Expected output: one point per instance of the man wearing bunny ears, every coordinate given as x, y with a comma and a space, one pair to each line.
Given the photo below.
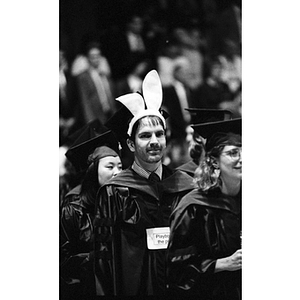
133, 209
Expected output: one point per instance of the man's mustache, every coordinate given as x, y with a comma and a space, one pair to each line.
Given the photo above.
154, 148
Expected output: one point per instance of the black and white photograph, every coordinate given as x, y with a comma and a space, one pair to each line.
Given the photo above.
123, 126
150, 126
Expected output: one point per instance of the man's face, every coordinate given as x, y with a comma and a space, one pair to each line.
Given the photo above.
150, 143
136, 25
216, 71
94, 57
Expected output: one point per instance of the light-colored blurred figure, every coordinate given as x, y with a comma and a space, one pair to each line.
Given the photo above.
95, 87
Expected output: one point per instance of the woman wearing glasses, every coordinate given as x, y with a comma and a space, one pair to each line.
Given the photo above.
205, 256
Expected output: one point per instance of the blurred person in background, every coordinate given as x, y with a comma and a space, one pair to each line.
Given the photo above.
81, 64
95, 87
231, 60
235, 105
192, 45
68, 100
77, 214
128, 54
176, 97
168, 57
214, 90
175, 100
232, 65
227, 25
132, 82
205, 256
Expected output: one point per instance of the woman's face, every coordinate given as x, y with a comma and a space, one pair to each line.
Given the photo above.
108, 167
230, 163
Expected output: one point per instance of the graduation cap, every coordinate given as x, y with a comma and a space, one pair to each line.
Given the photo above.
207, 130
203, 115
118, 123
91, 136
222, 132
90, 130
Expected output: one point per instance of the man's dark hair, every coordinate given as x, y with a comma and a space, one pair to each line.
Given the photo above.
153, 120
92, 45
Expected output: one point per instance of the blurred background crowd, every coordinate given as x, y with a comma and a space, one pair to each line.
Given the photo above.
108, 46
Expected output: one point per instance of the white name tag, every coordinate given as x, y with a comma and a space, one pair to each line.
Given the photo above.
158, 238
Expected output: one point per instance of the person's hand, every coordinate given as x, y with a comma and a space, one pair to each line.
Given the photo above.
235, 261
230, 263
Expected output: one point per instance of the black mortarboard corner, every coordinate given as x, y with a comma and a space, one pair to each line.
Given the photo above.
118, 123
203, 115
206, 130
91, 136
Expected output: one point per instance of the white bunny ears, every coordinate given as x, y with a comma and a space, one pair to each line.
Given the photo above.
148, 105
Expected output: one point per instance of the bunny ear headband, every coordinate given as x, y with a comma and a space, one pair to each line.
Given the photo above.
146, 105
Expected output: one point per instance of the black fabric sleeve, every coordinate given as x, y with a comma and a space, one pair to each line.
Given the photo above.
188, 255
71, 257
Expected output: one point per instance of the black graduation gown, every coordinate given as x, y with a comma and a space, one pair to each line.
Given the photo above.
189, 168
128, 205
76, 247
204, 227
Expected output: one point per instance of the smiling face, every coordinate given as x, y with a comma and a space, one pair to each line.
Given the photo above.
108, 167
230, 164
149, 144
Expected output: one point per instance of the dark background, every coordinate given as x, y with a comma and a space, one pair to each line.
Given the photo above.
79, 18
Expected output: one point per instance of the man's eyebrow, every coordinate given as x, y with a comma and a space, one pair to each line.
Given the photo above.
150, 131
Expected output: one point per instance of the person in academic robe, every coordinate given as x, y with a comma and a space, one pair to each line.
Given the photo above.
98, 158
205, 255
133, 209
74, 155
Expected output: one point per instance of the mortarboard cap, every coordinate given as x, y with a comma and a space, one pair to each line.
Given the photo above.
203, 115
207, 130
118, 123
88, 131
91, 136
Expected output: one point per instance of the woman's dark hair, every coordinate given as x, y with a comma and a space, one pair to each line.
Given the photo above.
197, 148
90, 184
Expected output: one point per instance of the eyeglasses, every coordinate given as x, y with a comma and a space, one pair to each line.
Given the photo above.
234, 153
